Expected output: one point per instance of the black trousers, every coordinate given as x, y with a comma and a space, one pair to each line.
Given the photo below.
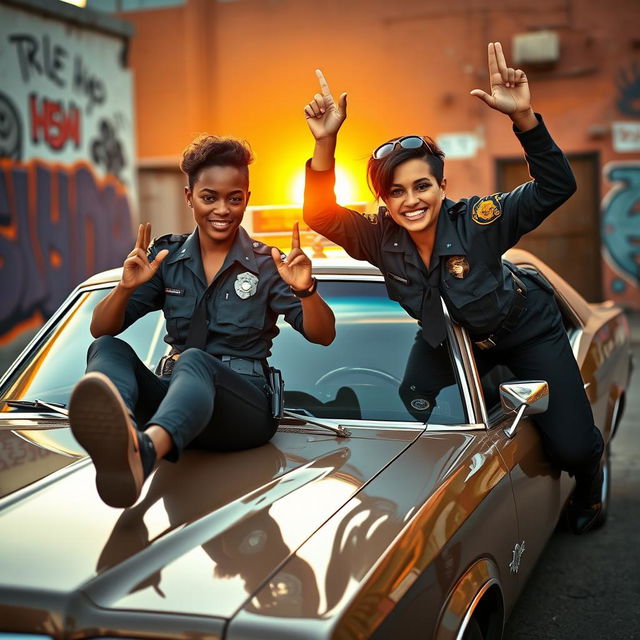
204, 403
539, 349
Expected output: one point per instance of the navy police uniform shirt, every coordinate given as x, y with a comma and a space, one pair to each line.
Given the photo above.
244, 299
471, 236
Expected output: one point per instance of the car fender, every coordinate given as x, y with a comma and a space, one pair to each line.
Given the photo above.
465, 597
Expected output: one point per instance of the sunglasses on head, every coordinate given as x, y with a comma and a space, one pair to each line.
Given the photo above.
407, 142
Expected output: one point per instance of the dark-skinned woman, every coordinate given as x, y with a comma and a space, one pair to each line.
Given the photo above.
221, 293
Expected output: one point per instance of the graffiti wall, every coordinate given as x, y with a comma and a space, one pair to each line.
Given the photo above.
67, 181
621, 203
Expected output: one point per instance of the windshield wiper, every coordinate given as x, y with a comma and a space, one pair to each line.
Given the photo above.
55, 407
339, 430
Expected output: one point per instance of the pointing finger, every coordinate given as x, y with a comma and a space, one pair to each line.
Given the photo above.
324, 87
502, 63
492, 60
139, 238
147, 236
295, 236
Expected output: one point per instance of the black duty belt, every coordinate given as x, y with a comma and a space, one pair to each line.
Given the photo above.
248, 366
518, 306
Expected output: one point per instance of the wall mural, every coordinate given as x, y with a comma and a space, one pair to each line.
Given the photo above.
621, 224
67, 186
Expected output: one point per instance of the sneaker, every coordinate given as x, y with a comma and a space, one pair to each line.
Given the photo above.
101, 423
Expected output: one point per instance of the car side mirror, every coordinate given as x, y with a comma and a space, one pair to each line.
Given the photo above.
524, 398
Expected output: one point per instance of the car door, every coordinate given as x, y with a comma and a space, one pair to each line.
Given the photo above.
536, 483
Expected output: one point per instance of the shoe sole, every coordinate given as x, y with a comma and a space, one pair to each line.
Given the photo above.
100, 423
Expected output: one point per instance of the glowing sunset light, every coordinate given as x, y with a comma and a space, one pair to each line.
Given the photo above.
345, 189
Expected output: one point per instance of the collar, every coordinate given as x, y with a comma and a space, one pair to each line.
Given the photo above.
447, 239
447, 242
241, 251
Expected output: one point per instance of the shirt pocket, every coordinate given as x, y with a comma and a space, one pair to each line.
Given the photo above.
409, 295
239, 316
478, 284
178, 312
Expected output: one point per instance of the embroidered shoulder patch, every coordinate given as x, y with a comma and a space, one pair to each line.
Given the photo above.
487, 209
371, 218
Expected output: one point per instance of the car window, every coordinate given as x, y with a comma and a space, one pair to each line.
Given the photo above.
58, 359
378, 367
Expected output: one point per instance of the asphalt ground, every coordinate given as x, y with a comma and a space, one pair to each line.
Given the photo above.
588, 587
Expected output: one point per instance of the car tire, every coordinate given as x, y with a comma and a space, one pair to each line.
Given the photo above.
606, 489
473, 631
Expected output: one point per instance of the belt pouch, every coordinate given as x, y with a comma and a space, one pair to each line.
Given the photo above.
276, 383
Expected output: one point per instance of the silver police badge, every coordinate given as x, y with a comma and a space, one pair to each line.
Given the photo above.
246, 285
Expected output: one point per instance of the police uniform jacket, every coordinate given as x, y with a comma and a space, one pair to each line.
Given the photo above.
243, 301
471, 236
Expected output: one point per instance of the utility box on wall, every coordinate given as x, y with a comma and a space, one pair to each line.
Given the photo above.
68, 197
538, 48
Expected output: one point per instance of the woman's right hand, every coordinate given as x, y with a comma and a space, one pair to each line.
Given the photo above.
136, 268
323, 115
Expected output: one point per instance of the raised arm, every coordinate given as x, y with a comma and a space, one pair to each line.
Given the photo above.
505, 217
321, 212
318, 320
108, 316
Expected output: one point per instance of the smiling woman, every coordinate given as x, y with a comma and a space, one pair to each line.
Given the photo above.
434, 252
221, 294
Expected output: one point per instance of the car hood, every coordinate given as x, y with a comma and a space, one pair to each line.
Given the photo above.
205, 535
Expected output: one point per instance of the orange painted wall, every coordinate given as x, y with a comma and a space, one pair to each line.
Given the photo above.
245, 68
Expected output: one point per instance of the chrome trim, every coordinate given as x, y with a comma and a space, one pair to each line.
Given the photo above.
475, 377
478, 426
19, 416
459, 365
472, 607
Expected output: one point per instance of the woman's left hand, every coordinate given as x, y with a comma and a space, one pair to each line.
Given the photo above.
295, 270
509, 87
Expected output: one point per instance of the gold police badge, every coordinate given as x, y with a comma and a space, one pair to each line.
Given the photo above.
458, 266
246, 285
487, 209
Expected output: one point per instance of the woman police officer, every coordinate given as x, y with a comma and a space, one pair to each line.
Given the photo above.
428, 246
221, 294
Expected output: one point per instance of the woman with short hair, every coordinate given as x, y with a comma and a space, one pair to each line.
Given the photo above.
221, 293
428, 246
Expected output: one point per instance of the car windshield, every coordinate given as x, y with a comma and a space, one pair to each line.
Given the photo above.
375, 369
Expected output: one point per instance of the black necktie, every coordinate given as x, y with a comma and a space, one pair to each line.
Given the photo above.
434, 329
198, 329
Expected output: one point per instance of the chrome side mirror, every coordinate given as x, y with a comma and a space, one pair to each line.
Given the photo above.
524, 398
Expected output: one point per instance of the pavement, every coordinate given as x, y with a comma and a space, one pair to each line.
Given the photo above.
588, 587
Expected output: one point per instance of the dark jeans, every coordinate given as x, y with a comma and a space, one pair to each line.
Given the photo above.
204, 403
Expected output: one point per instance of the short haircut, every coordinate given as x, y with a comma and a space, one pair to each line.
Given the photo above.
215, 151
380, 172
